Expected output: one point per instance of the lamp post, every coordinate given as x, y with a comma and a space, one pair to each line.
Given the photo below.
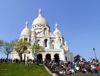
94, 53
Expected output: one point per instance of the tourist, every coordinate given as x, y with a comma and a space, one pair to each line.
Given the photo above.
94, 68
99, 68
26, 64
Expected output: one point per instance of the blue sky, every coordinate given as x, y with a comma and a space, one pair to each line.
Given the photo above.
78, 20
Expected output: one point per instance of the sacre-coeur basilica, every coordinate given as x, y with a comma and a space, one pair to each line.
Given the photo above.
40, 33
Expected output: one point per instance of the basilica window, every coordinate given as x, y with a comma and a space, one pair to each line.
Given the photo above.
45, 41
25, 39
45, 31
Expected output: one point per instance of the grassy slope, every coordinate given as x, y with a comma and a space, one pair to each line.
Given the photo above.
22, 70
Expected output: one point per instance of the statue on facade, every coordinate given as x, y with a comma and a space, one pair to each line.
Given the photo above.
33, 43
60, 45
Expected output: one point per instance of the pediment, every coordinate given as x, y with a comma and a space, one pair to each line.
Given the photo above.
40, 33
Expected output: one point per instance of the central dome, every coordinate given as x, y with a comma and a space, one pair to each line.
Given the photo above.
40, 20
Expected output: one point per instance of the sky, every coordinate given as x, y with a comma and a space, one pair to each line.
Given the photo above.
78, 21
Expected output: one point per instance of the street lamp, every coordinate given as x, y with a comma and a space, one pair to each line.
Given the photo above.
94, 53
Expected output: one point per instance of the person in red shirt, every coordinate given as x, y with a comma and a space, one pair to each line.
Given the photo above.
99, 67
97, 60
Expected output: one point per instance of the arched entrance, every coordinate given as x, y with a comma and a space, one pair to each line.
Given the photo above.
56, 57
48, 57
39, 58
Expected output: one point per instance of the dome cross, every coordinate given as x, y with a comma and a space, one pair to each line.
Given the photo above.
56, 26
27, 24
40, 12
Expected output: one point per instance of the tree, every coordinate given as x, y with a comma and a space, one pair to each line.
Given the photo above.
7, 48
36, 49
12, 43
1, 44
21, 47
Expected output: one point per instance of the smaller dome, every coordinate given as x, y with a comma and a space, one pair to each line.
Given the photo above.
26, 30
57, 32
66, 43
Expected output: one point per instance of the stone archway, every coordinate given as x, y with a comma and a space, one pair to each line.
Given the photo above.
39, 58
56, 57
48, 57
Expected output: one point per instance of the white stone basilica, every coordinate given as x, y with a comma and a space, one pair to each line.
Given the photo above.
40, 33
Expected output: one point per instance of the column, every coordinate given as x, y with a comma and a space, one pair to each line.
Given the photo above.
52, 56
42, 43
43, 31
48, 32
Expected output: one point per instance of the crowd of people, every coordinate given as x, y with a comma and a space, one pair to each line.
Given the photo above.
3, 60
67, 68
64, 67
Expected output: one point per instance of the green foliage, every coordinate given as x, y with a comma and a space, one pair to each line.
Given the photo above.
8, 47
21, 47
1, 44
12, 42
22, 70
36, 49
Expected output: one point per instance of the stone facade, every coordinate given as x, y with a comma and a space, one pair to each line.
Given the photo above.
40, 33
